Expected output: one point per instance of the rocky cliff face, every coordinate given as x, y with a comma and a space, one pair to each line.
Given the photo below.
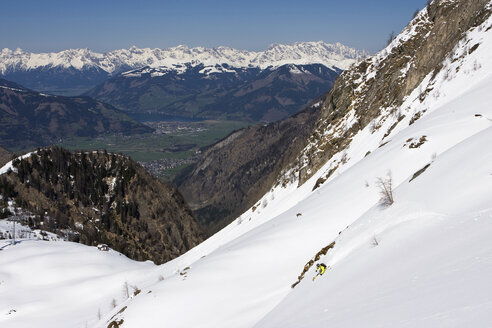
382, 82
234, 173
97, 197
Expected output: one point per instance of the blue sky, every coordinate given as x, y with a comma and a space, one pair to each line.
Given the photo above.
103, 25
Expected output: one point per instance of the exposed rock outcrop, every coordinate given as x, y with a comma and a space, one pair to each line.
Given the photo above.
382, 82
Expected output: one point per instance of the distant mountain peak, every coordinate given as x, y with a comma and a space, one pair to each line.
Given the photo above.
116, 61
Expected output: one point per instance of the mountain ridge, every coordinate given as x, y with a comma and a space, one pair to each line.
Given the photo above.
218, 92
29, 118
117, 61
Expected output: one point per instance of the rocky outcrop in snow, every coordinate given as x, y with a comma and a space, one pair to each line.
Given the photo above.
381, 84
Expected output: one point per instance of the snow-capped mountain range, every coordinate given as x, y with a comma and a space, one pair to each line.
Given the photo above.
330, 55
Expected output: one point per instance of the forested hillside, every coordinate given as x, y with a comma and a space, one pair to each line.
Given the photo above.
98, 197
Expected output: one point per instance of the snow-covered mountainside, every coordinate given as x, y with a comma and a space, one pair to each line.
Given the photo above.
330, 55
423, 261
74, 71
420, 258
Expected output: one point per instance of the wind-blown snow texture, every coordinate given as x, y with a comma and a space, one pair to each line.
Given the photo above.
330, 55
425, 261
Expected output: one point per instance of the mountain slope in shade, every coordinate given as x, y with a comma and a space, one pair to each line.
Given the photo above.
4, 156
29, 118
233, 174
218, 92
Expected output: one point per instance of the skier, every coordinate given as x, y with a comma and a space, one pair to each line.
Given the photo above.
320, 269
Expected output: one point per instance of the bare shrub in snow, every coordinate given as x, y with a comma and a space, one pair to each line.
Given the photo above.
385, 186
160, 278
397, 113
447, 75
374, 241
126, 289
113, 303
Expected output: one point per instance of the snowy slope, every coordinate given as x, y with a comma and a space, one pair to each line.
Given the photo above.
424, 262
331, 55
61, 284
436, 232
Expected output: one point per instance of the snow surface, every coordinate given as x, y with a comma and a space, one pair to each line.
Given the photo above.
61, 284
432, 262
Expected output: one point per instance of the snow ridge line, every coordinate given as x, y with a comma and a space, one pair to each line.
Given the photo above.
331, 55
